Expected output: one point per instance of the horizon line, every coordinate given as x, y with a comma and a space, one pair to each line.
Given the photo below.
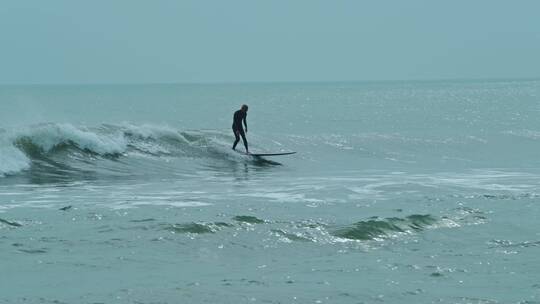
493, 79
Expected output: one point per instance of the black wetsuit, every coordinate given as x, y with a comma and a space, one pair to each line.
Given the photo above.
238, 130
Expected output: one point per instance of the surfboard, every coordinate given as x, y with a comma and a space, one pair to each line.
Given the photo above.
271, 154
267, 154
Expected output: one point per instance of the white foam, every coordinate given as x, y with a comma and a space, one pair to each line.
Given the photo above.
171, 203
51, 135
152, 131
283, 197
531, 134
12, 160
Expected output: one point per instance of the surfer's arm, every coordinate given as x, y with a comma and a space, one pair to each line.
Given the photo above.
245, 123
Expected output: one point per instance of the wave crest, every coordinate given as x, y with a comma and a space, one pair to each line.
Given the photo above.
12, 160
68, 146
49, 137
380, 228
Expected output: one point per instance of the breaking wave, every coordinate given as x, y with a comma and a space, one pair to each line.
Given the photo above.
67, 146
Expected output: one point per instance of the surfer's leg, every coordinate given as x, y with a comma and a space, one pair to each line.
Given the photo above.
237, 138
244, 139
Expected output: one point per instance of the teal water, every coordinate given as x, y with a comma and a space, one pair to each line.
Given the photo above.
401, 192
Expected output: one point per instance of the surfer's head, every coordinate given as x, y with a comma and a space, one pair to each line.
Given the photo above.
244, 108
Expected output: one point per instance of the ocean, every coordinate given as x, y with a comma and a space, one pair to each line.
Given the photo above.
400, 192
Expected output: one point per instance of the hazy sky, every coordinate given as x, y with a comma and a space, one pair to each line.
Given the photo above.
127, 41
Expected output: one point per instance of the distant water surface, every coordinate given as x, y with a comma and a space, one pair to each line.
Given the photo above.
401, 192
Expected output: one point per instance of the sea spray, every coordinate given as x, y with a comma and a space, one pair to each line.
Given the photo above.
12, 160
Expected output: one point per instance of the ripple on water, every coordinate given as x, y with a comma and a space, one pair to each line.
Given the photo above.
377, 228
248, 219
10, 223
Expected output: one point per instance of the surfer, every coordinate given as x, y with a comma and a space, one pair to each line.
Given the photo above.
238, 118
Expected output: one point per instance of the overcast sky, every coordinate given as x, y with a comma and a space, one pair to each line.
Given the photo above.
139, 41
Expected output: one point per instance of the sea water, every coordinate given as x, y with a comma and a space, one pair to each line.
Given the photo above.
401, 192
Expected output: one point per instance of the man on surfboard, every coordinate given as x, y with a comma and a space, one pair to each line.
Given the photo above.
238, 118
